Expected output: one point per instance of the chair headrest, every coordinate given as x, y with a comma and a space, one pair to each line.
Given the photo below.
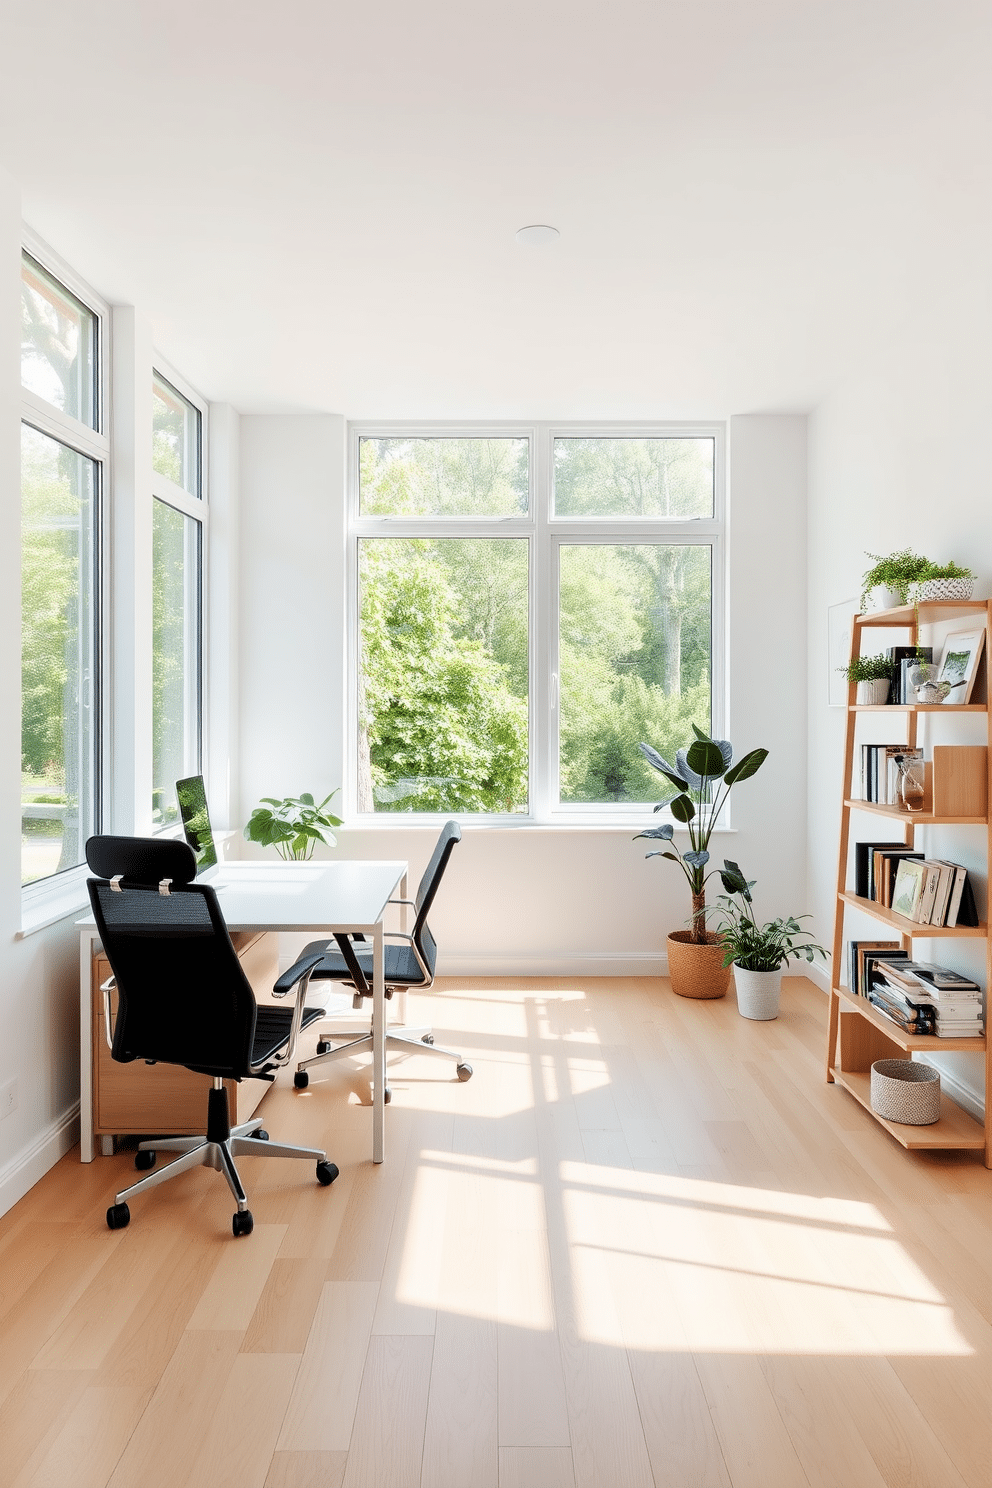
144, 860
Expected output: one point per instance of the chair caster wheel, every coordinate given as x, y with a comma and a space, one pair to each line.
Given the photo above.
144, 1160
301, 1079
387, 1096
323, 1047
428, 1038
118, 1216
326, 1173
463, 1071
242, 1223
261, 1135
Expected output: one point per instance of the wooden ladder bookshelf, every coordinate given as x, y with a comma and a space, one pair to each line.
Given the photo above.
857, 1034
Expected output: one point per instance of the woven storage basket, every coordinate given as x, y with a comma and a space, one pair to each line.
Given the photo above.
902, 1090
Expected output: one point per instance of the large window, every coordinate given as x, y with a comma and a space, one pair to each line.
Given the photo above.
63, 459
530, 605
177, 565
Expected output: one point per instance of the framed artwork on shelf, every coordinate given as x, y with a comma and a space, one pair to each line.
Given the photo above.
840, 627
958, 664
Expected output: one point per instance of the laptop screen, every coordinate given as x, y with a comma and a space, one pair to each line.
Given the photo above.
196, 821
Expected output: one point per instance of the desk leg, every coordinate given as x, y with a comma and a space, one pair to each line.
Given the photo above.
378, 1045
87, 939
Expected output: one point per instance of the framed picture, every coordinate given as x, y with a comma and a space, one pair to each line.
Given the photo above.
959, 662
840, 627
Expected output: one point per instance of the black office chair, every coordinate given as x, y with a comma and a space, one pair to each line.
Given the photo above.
407, 965
183, 998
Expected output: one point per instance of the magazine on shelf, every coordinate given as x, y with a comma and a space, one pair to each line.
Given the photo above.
857, 950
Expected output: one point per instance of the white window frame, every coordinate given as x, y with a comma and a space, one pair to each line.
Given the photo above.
198, 508
546, 535
45, 900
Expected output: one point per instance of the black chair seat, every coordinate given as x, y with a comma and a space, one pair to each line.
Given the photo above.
401, 965
272, 1029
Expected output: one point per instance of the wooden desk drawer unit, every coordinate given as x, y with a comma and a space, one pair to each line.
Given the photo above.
139, 1099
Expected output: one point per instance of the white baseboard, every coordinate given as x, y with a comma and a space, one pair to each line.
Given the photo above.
25, 1169
816, 971
552, 963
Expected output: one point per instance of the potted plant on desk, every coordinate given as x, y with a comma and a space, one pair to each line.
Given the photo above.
758, 952
293, 826
703, 776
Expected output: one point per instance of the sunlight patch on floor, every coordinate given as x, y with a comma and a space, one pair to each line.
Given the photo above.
661, 1262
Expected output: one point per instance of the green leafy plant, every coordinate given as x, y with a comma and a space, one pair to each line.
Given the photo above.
867, 668
293, 826
947, 571
755, 947
703, 776
896, 571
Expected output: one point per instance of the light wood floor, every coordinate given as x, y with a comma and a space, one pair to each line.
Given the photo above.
644, 1245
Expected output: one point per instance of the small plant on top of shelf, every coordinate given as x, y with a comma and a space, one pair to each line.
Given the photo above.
897, 571
868, 669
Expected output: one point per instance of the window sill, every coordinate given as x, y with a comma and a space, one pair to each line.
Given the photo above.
633, 824
50, 900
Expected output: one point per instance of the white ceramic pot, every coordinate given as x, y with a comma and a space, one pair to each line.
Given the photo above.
875, 692
758, 993
883, 598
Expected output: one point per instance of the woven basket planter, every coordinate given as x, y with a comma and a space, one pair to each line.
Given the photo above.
697, 970
759, 993
905, 1091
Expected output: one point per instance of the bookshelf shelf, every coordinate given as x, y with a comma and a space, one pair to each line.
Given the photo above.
947, 709
857, 1033
910, 928
925, 1043
918, 818
955, 1129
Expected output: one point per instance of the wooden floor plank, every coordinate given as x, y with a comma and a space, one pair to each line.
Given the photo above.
395, 1389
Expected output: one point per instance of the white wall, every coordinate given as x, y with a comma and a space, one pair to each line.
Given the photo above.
525, 899
899, 456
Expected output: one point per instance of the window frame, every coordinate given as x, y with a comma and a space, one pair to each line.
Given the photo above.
43, 899
197, 508
545, 534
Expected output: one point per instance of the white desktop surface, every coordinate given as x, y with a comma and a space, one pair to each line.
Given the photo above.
324, 896
335, 895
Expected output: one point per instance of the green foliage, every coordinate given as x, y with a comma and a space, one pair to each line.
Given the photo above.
294, 826
950, 570
445, 731
755, 947
703, 776
867, 668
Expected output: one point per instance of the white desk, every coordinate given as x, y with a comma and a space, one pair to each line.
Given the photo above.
331, 896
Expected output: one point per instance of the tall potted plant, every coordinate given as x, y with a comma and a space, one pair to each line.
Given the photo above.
703, 776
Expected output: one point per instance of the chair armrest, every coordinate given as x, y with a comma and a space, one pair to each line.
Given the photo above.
106, 988
300, 968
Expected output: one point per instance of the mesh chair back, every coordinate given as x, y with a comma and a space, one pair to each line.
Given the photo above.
451, 833
182, 995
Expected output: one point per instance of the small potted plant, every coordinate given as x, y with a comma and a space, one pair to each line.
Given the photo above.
944, 581
702, 776
293, 826
872, 674
887, 583
758, 952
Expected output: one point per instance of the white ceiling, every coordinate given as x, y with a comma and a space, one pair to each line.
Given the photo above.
316, 204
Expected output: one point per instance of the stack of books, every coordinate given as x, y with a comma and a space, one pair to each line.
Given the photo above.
903, 658
880, 765
930, 891
926, 999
